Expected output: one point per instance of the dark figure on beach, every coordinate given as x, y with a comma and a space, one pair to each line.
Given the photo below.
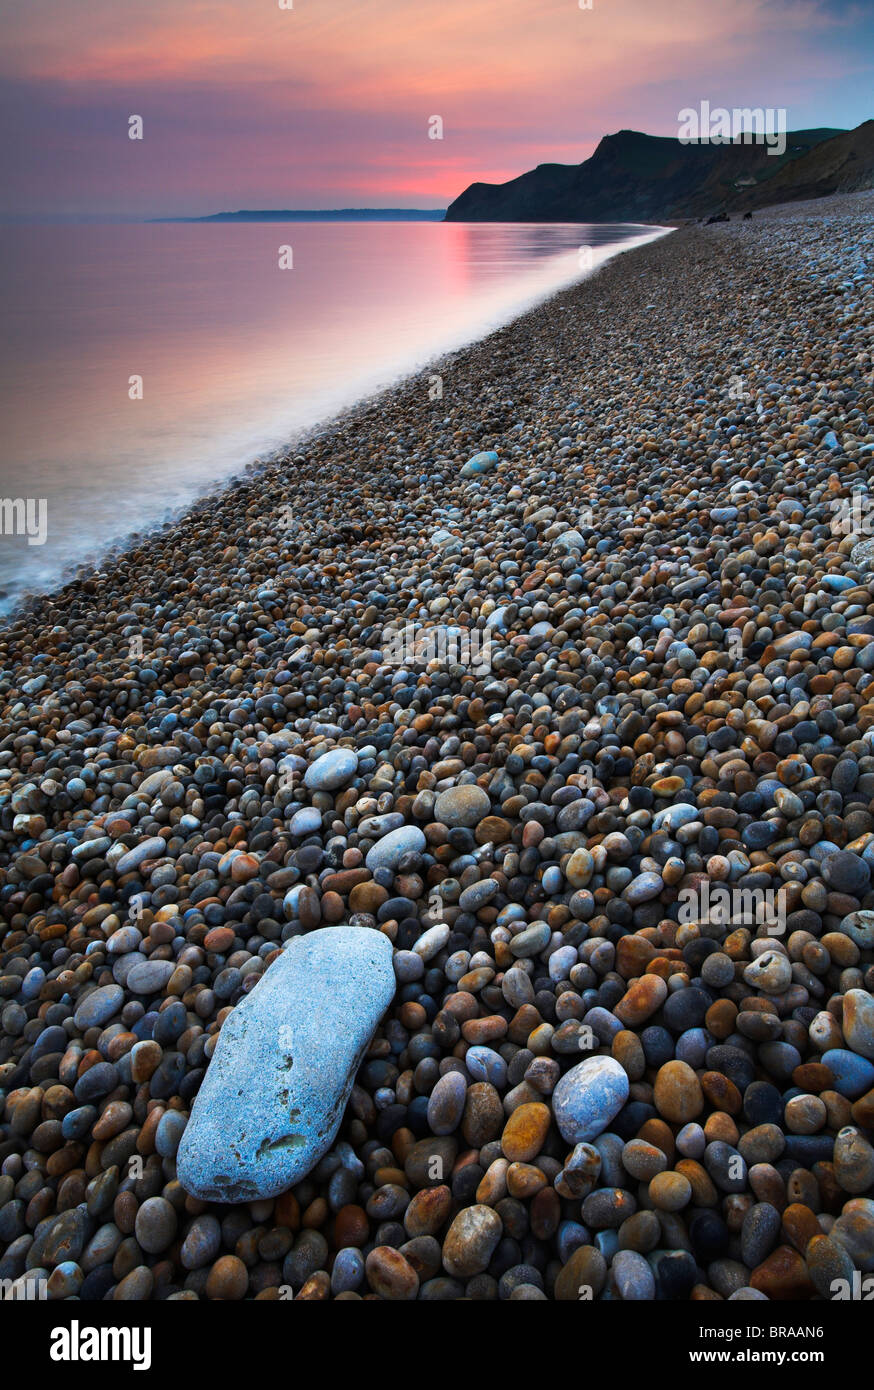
748, 217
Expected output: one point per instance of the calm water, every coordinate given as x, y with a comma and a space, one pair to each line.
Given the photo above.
237, 356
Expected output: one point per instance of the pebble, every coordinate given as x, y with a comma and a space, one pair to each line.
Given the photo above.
826, 1264
446, 1103
525, 1132
462, 806
853, 1075
98, 1007
759, 1233
631, 1277
853, 1161
588, 1097
331, 770
471, 1241
390, 1275
155, 1225
857, 1022
244, 1142
153, 848
771, 973
677, 1093
390, 850
149, 977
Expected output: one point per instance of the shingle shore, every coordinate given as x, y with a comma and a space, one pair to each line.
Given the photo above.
592, 1082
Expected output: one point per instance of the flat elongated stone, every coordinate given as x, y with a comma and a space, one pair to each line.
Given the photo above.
483, 462
153, 848
99, 1006
149, 976
273, 1097
858, 1022
387, 852
672, 817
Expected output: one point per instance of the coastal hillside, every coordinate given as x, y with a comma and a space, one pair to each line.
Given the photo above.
633, 177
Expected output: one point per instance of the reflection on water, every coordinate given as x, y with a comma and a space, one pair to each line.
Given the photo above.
235, 356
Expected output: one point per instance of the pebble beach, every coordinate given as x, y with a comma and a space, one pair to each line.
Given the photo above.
333, 973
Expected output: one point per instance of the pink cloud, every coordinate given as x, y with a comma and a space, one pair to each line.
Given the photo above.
245, 102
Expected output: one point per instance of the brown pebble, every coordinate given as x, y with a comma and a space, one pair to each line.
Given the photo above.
799, 1226
861, 1113
677, 1093
471, 1241
783, 1276
351, 1226
721, 1093
721, 1127
768, 1185
317, 1288
704, 1193
427, 1211
627, 1049
720, 1018
483, 1117
228, 1279
525, 1132
583, 1276
524, 1180
641, 1000
390, 1275
671, 1191
814, 1077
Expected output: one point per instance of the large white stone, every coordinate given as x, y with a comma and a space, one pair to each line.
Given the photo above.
274, 1094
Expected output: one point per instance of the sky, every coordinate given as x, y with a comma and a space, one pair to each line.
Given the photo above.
331, 103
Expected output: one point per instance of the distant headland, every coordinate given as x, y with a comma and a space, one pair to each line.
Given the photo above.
319, 215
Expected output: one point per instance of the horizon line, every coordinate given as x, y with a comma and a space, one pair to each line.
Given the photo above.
117, 218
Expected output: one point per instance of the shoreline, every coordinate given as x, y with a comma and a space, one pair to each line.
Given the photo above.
114, 551
642, 491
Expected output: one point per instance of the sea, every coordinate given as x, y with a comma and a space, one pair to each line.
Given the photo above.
144, 365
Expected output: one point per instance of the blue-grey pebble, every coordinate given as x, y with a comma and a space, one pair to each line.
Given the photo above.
387, 852
854, 1075
331, 770
202, 1242
98, 1007
632, 1277
153, 848
692, 1046
168, 1135
150, 976
348, 1271
484, 1064
306, 821
588, 1097
759, 1233
726, 1167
